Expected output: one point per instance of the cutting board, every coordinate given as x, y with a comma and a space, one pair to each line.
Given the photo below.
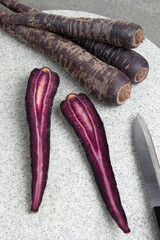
72, 207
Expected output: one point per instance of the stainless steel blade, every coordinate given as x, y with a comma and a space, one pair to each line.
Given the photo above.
148, 160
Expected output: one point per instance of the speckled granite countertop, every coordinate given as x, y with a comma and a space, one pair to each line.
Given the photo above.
72, 207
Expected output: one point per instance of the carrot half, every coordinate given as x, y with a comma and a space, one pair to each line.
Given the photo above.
83, 117
130, 62
103, 81
41, 89
115, 32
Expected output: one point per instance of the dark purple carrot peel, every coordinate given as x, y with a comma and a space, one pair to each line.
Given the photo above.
42, 87
130, 62
115, 32
82, 115
103, 81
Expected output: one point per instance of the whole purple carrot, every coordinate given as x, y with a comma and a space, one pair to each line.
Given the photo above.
115, 32
82, 115
42, 87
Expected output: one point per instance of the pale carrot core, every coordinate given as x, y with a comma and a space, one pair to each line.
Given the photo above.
124, 93
40, 90
72, 95
45, 69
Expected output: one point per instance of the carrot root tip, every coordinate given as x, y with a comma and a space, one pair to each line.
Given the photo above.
33, 211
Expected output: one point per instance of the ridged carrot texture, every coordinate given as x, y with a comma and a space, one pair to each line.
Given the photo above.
17, 6
130, 62
41, 89
115, 32
82, 115
103, 81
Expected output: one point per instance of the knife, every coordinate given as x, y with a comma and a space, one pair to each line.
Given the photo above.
149, 165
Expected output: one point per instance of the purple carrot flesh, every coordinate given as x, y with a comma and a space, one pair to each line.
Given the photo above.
115, 32
130, 62
82, 115
42, 87
103, 81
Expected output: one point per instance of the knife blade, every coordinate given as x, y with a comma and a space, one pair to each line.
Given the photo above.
149, 165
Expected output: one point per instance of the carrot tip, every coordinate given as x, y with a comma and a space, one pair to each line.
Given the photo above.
139, 37
72, 95
33, 211
124, 93
141, 75
45, 69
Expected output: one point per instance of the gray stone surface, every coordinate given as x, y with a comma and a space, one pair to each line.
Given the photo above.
144, 12
72, 208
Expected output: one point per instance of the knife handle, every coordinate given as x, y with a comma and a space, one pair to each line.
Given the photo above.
156, 213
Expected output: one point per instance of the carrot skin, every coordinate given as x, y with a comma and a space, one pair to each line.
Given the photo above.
83, 117
115, 32
17, 6
101, 80
127, 61
41, 89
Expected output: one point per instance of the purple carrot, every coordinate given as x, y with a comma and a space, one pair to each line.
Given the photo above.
82, 115
115, 32
42, 87
17, 6
103, 81
130, 62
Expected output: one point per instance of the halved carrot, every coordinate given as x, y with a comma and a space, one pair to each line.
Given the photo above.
83, 117
41, 89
